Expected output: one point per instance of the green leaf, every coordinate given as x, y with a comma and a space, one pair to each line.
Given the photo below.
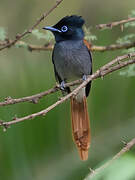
130, 72
132, 14
126, 39
121, 169
88, 35
2, 34
21, 44
47, 36
130, 50
130, 24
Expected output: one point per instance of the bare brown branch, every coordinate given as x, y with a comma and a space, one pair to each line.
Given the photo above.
8, 42
20, 36
127, 147
106, 69
112, 47
36, 97
116, 23
49, 47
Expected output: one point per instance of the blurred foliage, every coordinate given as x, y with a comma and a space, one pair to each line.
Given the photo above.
22, 44
128, 38
47, 35
122, 168
2, 34
42, 148
129, 72
130, 24
88, 35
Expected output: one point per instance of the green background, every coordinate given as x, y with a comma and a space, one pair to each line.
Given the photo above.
42, 149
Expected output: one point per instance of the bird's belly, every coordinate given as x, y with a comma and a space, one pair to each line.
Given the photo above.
71, 60
69, 70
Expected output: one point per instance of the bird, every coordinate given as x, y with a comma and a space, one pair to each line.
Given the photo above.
72, 60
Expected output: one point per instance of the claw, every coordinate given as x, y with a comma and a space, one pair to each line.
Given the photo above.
84, 77
62, 85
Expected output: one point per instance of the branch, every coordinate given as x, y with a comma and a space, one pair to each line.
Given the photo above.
92, 47
106, 69
49, 47
116, 23
118, 155
36, 97
112, 47
20, 36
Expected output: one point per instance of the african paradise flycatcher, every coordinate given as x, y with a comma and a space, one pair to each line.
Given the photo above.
72, 60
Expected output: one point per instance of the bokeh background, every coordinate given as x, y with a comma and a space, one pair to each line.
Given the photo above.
42, 149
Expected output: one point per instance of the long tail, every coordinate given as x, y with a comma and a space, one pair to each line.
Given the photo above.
80, 126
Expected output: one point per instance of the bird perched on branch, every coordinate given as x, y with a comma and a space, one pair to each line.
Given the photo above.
72, 60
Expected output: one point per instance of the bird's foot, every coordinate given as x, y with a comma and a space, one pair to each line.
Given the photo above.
62, 85
84, 77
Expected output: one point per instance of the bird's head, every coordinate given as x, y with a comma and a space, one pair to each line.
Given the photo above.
68, 28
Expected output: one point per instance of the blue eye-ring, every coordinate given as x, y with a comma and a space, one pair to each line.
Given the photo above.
64, 28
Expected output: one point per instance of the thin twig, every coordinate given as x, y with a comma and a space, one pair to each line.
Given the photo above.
111, 47
99, 73
117, 60
33, 98
49, 47
118, 155
36, 97
19, 36
116, 23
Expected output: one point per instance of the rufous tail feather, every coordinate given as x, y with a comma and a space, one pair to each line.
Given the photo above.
80, 126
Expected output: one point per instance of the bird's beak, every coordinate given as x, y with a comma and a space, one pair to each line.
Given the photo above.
51, 29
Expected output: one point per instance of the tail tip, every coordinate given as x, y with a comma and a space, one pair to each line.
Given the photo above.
83, 154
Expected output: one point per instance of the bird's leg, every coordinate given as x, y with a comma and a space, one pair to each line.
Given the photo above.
62, 85
84, 77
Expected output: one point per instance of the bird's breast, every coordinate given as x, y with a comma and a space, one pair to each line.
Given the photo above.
71, 60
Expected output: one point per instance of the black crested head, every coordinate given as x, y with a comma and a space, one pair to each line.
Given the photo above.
68, 28
74, 20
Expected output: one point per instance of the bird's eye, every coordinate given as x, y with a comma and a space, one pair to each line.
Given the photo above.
64, 28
